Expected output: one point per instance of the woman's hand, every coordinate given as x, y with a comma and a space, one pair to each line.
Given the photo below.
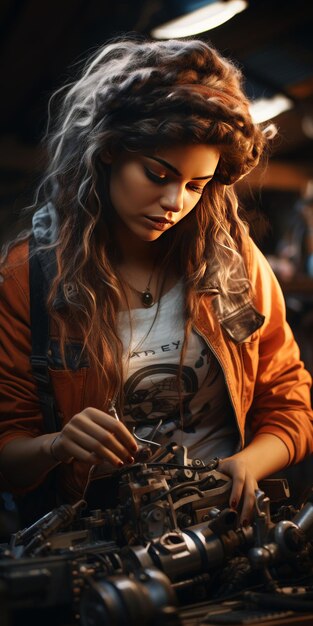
264, 455
93, 436
243, 487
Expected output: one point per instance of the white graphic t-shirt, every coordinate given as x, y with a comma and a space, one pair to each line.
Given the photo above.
152, 345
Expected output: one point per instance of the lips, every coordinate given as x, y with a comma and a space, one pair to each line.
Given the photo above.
159, 220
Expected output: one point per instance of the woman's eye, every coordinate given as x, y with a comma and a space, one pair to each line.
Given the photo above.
196, 188
162, 179
156, 178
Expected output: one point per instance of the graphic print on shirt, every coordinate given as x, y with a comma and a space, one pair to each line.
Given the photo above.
151, 392
159, 399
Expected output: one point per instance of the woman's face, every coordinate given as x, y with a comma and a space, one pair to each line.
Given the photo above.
153, 191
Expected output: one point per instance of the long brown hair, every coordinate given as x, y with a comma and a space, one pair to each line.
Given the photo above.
134, 95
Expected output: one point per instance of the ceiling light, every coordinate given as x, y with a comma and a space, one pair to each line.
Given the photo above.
201, 20
266, 108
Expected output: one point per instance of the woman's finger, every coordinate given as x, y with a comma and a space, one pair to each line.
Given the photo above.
65, 448
96, 439
236, 491
236, 472
114, 426
248, 500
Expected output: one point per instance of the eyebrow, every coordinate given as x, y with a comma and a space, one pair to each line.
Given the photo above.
174, 170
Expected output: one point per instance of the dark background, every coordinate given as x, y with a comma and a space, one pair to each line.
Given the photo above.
43, 42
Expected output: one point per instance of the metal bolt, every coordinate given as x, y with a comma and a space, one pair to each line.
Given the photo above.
197, 463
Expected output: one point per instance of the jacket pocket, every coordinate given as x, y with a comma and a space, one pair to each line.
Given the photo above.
68, 389
75, 357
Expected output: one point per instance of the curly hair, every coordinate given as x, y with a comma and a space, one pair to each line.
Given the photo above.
112, 109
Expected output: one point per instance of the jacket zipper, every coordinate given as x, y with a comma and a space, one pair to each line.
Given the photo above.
225, 379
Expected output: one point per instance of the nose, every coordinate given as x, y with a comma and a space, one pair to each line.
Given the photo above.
173, 197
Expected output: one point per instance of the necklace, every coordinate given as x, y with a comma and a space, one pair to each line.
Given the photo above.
146, 295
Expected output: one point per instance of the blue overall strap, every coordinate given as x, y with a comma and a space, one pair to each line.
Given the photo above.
39, 322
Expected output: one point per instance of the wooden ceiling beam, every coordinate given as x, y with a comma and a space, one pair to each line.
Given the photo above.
279, 175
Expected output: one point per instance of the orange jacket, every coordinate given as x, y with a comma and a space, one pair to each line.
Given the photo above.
267, 383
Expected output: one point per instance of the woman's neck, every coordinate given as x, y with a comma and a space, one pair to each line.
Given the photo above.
134, 252
141, 266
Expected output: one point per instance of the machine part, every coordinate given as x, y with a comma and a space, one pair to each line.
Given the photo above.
169, 535
144, 597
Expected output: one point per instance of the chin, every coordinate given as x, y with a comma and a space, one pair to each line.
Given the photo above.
152, 237
149, 236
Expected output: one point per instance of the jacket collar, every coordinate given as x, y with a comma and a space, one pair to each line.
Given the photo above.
235, 312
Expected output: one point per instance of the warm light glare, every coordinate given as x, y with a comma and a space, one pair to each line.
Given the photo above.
201, 20
266, 108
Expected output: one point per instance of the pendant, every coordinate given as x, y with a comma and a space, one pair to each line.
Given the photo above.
147, 298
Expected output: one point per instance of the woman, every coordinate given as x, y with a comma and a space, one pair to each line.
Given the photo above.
163, 313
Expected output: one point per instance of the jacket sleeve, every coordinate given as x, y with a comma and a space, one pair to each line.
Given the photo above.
281, 404
20, 414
